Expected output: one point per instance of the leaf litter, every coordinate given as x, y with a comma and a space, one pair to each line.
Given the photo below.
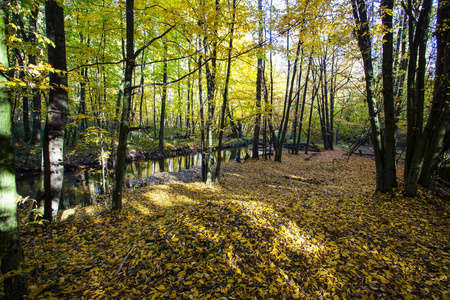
301, 229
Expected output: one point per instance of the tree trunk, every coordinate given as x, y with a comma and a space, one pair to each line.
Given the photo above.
36, 132
11, 254
325, 113
321, 105
315, 91
36, 93
211, 72
332, 94
402, 67
415, 99
297, 103
162, 119
365, 46
388, 96
297, 144
141, 104
225, 97
286, 109
202, 114
189, 99
414, 103
211, 86
125, 120
259, 75
57, 110
439, 118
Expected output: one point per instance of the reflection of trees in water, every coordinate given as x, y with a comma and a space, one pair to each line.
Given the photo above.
84, 186
87, 200
161, 164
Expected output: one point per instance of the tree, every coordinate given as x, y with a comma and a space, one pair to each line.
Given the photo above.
388, 96
36, 133
125, 120
385, 179
11, 255
211, 78
225, 96
305, 89
130, 58
439, 118
162, 119
259, 77
415, 98
57, 111
286, 108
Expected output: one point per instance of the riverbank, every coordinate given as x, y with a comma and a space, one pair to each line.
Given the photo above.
28, 159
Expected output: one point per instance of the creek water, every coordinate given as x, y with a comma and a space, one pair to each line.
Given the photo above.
83, 187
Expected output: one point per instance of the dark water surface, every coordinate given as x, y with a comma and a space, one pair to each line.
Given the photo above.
83, 187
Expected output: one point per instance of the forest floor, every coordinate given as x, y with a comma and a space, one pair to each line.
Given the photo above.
300, 229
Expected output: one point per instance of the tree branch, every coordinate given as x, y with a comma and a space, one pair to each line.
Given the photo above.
136, 54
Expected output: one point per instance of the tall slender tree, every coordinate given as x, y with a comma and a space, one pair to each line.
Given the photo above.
225, 95
388, 95
130, 58
162, 119
385, 181
36, 133
126, 103
57, 110
259, 76
287, 107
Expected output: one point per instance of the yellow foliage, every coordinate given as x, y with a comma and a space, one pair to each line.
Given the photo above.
293, 230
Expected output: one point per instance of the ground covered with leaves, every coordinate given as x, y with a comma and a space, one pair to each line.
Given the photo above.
301, 229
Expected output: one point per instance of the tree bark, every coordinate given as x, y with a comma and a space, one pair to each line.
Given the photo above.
125, 120
308, 134
11, 254
162, 119
225, 97
297, 103
415, 139
211, 72
259, 75
286, 109
297, 144
388, 96
414, 102
365, 46
400, 69
202, 114
211, 86
439, 118
189, 99
57, 110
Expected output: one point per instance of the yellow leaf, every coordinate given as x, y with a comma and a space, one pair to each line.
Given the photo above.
161, 288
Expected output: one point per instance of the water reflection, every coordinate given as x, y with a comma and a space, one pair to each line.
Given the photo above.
83, 186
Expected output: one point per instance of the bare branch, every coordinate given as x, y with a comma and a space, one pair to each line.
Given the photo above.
136, 54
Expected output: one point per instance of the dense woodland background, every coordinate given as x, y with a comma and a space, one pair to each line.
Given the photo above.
87, 80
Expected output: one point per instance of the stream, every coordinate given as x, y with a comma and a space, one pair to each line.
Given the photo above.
83, 187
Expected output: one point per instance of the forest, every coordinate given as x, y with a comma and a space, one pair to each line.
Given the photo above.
338, 112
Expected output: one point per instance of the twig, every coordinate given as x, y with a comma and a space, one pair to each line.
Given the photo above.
125, 259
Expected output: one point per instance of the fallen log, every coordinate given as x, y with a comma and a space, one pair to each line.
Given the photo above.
442, 194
